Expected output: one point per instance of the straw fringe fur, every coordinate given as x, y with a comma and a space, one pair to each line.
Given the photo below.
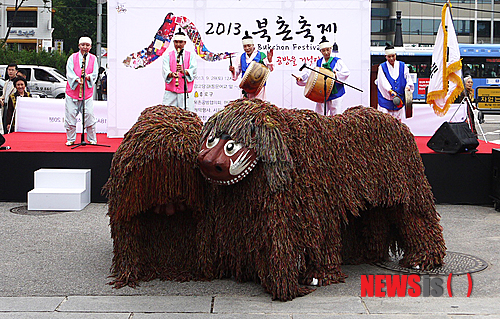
154, 168
351, 185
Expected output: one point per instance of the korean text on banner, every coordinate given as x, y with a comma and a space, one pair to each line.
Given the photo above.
446, 71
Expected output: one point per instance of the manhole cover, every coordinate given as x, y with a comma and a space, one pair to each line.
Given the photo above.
454, 263
23, 210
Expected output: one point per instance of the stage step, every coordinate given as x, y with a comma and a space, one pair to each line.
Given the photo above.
60, 189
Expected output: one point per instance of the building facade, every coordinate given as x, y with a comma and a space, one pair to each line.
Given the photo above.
421, 18
31, 24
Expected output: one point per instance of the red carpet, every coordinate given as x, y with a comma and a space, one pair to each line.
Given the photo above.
55, 142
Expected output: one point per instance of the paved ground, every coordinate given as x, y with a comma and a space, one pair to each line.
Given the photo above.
491, 129
57, 266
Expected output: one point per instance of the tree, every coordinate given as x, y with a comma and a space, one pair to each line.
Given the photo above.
18, 4
75, 18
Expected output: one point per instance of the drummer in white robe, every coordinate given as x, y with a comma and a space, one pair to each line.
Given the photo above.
173, 74
393, 79
244, 61
341, 73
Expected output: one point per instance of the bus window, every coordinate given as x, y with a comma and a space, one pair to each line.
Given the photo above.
424, 71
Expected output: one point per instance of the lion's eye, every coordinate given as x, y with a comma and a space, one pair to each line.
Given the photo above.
232, 147
212, 141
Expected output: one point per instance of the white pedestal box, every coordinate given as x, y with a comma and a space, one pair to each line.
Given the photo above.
60, 189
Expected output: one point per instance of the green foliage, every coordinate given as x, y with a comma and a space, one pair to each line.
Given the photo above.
53, 59
75, 18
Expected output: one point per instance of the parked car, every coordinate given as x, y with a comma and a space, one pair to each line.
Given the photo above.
42, 80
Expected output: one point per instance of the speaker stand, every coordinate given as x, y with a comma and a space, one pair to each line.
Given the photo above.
466, 101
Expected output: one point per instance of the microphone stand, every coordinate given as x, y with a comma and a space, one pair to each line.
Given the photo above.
184, 78
82, 141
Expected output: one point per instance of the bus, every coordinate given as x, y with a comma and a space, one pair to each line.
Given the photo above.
481, 61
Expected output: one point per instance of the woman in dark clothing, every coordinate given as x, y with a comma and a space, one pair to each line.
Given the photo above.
9, 114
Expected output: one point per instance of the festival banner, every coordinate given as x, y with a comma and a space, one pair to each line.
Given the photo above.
139, 36
446, 71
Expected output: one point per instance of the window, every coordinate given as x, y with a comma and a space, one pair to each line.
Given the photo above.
420, 26
382, 26
23, 19
415, 26
483, 29
428, 27
27, 71
462, 27
43, 75
380, 12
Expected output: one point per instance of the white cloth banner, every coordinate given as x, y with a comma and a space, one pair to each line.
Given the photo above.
292, 28
47, 115
446, 71
425, 122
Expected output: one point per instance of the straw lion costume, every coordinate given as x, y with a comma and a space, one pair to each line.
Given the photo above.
295, 192
155, 195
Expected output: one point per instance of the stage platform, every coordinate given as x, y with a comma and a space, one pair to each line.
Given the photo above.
463, 178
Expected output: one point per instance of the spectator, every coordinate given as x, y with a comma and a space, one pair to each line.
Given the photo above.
10, 112
469, 102
102, 84
21, 73
8, 89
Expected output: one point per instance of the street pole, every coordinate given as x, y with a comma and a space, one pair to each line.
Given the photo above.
492, 21
475, 22
99, 31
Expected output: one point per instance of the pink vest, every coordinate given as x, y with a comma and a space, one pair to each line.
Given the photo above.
173, 66
89, 91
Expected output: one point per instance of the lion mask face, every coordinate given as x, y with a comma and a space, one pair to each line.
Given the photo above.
223, 161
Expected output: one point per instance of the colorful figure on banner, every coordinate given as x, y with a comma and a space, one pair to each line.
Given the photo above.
254, 67
393, 79
10, 111
156, 198
340, 72
179, 70
163, 38
75, 101
285, 214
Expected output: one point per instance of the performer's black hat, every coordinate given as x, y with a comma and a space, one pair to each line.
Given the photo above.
389, 49
324, 43
180, 36
247, 39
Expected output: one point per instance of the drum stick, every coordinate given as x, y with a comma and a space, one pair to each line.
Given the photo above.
230, 59
296, 77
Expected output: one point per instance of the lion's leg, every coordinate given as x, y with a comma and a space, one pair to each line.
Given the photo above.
282, 278
278, 267
375, 235
126, 267
323, 264
421, 237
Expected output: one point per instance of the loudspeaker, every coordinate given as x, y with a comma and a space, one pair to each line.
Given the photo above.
453, 138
